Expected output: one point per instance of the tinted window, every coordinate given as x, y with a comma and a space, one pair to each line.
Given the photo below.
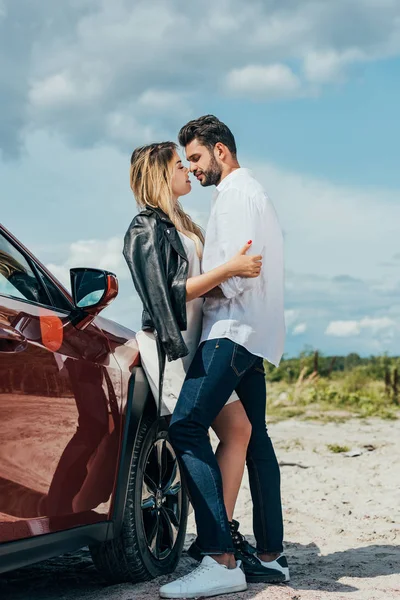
16, 276
57, 296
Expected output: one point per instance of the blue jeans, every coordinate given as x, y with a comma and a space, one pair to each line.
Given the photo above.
219, 367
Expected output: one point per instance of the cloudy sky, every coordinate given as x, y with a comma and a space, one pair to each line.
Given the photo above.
311, 90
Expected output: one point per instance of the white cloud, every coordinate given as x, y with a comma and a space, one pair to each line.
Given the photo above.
122, 126
61, 273
330, 66
155, 100
343, 328
270, 81
97, 254
78, 64
332, 229
335, 310
378, 324
300, 329
56, 90
354, 328
291, 317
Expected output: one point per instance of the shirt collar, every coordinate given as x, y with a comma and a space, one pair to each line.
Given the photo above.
229, 178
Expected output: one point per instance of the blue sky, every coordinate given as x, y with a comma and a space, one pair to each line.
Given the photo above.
313, 103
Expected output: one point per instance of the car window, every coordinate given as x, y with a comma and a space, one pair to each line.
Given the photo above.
16, 276
58, 298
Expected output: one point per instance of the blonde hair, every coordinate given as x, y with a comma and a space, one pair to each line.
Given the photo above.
150, 180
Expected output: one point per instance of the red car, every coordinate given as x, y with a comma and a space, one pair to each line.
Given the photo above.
84, 460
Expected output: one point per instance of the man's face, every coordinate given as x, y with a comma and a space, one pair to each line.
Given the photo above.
203, 164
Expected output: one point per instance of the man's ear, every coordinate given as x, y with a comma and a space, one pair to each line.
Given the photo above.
220, 151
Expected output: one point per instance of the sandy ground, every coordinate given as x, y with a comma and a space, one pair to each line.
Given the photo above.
341, 524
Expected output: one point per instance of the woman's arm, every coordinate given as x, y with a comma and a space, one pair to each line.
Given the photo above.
240, 265
201, 284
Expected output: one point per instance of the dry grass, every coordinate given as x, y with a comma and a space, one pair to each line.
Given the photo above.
353, 394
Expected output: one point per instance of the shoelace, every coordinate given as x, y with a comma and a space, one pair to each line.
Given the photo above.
200, 570
239, 541
237, 538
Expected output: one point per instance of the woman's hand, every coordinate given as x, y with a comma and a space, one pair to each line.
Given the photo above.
242, 265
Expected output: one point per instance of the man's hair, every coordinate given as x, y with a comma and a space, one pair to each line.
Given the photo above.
208, 130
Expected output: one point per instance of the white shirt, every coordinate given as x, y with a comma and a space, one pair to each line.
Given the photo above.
252, 312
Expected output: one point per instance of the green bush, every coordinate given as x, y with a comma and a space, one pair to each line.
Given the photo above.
330, 366
359, 391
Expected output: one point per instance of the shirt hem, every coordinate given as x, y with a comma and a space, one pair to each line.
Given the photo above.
216, 336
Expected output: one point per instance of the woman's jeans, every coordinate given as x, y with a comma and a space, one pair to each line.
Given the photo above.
219, 367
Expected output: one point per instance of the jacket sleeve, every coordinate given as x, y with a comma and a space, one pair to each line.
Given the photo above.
143, 256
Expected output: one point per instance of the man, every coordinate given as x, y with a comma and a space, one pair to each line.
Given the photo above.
240, 328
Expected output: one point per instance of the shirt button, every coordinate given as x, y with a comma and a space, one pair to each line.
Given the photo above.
168, 231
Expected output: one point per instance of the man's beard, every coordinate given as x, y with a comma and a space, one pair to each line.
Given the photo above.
212, 176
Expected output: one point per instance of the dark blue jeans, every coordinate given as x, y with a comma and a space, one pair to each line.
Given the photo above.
218, 368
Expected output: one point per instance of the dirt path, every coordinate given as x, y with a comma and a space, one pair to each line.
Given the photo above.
341, 516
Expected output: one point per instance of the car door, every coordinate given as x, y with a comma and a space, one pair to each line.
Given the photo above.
59, 406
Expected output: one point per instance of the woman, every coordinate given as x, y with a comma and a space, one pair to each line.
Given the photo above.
163, 249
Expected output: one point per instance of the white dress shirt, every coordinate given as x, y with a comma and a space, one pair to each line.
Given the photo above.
252, 312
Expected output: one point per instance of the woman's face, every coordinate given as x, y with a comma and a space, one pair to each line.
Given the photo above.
180, 182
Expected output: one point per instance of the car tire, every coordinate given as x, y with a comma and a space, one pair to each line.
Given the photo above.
155, 517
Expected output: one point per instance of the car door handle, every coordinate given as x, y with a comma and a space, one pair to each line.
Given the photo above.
11, 340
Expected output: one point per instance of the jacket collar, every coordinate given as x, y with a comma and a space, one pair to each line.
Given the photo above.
161, 214
173, 236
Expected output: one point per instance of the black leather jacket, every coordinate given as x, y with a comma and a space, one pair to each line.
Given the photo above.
159, 267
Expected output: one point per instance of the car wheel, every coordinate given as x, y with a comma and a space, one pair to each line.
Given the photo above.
154, 524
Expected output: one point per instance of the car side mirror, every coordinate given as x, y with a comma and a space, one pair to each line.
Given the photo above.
92, 290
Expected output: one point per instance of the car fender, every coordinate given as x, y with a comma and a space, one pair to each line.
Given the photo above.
139, 401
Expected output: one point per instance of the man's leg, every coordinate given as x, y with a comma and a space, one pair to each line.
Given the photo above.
264, 474
212, 377
264, 478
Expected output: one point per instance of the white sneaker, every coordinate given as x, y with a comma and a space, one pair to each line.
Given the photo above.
280, 564
209, 579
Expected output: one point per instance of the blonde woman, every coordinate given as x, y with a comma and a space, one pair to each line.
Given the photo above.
163, 249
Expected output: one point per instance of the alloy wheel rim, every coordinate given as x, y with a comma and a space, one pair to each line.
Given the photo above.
161, 500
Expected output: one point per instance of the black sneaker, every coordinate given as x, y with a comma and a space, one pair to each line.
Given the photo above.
242, 546
276, 571
239, 541
255, 570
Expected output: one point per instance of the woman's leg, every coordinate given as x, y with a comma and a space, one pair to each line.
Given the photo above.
234, 431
